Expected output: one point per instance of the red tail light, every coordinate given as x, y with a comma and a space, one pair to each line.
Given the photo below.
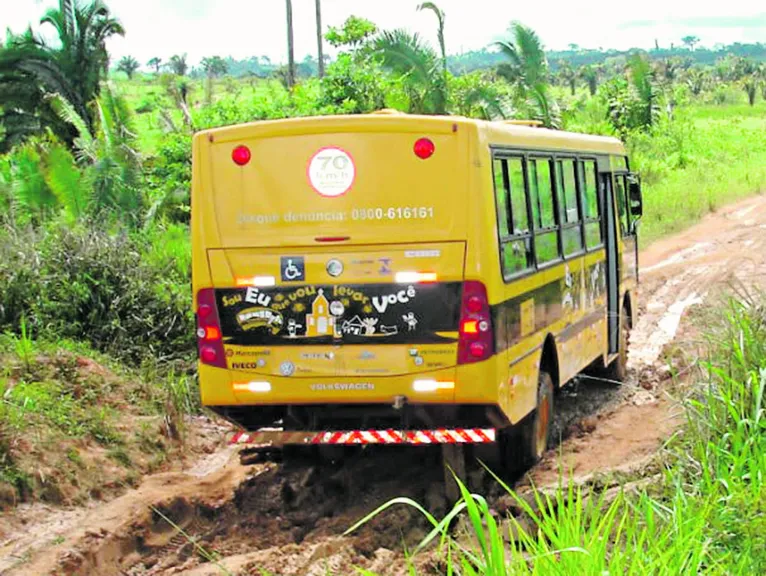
209, 342
424, 148
241, 155
477, 341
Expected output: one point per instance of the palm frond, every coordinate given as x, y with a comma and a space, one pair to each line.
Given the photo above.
65, 181
406, 55
85, 141
440, 32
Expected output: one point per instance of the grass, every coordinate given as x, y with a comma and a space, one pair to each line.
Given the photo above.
72, 421
705, 514
707, 157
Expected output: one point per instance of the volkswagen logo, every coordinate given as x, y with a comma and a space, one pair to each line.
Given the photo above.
287, 368
335, 268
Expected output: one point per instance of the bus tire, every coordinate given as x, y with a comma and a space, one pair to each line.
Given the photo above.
618, 369
536, 435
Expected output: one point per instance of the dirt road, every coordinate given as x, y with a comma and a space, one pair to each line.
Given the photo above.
288, 519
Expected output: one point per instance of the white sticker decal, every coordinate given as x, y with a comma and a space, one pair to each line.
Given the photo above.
422, 253
331, 172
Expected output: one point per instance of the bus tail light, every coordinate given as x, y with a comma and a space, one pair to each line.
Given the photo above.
241, 155
424, 148
209, 340
476, 341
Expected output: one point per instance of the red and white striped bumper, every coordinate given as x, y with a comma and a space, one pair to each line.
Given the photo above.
350, 437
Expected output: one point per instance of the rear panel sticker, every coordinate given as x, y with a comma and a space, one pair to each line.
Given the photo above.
322, 314
331, 172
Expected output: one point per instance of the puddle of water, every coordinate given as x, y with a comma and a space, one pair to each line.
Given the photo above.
685, 254
744, 211
665, 332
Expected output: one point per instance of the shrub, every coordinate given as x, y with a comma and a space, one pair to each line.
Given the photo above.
98, 286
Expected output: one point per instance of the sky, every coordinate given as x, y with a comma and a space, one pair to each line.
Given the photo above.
242, 28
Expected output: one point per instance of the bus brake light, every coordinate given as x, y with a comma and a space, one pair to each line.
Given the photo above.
476, 340
209, 342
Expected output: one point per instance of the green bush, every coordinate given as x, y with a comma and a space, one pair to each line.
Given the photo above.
118, 292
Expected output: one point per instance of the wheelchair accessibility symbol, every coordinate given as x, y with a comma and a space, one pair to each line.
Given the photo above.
293, 269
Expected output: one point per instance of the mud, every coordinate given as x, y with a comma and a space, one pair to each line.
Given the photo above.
289, 518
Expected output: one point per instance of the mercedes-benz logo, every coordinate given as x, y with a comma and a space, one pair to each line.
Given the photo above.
335, 268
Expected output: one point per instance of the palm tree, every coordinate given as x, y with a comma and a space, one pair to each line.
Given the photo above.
214, 67
129, 65
320, 51
690, 41
527, 71
590, 74
108, 155
155, 63
750, 85
290, 45
417, 64
178, 64
440, 16
73, 66
567, 76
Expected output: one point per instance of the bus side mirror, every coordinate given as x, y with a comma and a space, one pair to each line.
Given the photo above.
635, 200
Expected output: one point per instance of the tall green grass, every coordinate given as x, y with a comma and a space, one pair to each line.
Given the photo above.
706, 513
707, 156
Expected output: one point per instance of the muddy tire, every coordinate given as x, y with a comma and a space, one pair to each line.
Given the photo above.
618, 369
536, 434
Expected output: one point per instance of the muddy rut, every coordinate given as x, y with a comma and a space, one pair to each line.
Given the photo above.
289, 518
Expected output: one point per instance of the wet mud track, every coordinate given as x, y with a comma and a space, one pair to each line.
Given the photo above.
289, 518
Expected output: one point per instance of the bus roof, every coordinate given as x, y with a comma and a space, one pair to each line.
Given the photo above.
513, 134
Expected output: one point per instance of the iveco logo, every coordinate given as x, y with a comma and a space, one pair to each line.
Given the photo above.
335, 268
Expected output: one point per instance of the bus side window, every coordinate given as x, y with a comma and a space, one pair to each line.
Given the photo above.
513, 223
501, 194
620, 191
591, 209
544, 218
571, 225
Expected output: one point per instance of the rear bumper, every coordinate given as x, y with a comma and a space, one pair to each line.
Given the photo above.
407, 416
278, 438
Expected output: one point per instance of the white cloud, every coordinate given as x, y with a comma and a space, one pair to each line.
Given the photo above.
243, 28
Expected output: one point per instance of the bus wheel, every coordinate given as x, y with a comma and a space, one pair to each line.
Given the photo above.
618, 369
537, 430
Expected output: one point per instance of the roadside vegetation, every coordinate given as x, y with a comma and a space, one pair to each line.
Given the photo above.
700, 508
97, 356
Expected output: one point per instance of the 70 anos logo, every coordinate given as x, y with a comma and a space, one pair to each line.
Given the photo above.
331, 172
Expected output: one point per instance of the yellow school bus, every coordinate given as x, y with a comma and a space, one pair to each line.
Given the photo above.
389, 278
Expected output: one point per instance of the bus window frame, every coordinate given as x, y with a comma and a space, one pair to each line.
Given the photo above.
550, 159
578, 199
512, 237
501, 152
581, 160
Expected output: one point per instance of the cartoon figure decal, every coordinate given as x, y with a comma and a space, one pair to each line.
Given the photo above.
252, 318
292, 328
326, 314
411, 321
369, 326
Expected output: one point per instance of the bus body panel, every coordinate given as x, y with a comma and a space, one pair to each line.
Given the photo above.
247, 220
